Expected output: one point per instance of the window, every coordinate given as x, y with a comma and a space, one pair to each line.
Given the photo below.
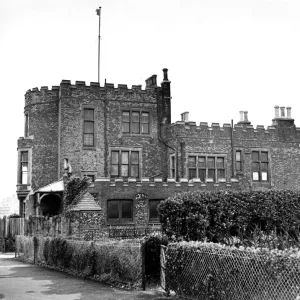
119, 210
124, 163
153, 213
135, 122
238, 160
24, 167
206, 167
260, 166
88, 127
26, 132
173, 166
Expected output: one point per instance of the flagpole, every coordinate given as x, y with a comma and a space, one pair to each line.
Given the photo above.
99, 14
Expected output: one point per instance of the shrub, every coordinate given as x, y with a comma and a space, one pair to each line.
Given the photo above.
12, 216
119, 260
9, 244
218, 216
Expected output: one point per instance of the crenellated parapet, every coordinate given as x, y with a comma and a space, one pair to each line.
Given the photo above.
240, 131
109, 91
183, 184
42, 95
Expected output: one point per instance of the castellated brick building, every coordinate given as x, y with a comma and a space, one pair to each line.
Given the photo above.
123, 139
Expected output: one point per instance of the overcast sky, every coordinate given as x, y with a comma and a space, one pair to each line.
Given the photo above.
223, 56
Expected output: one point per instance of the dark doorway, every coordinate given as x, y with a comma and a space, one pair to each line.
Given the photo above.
51, 205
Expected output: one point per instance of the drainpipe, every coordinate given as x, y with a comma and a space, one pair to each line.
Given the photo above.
232, 150
168, 146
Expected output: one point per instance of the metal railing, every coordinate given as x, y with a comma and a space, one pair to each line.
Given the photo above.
227, 275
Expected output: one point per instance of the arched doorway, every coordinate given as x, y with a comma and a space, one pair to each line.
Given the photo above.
51, 205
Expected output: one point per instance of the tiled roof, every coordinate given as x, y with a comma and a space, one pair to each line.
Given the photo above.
87, 202
57, 186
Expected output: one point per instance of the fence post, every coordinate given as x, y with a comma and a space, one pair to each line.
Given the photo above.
163, 278
143, 254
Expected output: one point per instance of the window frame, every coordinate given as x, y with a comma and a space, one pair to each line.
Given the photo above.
140, 122
26, 125
203, 165
83, 107
21, 167
260, 162
120, 219
130, 163
241, 161
173, 166
155, 219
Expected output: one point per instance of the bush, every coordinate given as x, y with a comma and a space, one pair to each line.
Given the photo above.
118, 261
14, 216
219, 215
109, 260
9, 244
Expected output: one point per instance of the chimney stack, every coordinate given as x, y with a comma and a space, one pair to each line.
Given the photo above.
281, 119
151, 81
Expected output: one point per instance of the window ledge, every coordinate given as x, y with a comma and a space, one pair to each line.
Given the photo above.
120, 223
137, 135
89, 148
209, 180
260, 182
154, 222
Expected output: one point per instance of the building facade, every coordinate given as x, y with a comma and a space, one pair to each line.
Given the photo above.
123, 139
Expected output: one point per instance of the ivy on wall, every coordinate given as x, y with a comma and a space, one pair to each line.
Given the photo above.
74, 189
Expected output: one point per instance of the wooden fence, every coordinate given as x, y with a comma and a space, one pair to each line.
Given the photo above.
9, 227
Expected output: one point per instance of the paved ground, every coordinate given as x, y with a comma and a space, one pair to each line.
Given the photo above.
19, 280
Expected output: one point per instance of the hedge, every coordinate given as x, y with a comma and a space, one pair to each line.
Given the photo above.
110, 261
215, 216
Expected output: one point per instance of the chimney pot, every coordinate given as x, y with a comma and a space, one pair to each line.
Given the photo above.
289, 112
245, 116
241, 116
165, 74
282, 109
276, 111
185, 117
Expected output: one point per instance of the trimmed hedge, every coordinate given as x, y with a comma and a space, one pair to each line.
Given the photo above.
216, 216
110, 261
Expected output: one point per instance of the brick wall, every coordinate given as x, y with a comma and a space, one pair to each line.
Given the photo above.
56, 132
42, 107
281, 142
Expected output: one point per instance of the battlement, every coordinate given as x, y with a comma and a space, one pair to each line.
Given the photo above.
106, 86
183, 183
215, 130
